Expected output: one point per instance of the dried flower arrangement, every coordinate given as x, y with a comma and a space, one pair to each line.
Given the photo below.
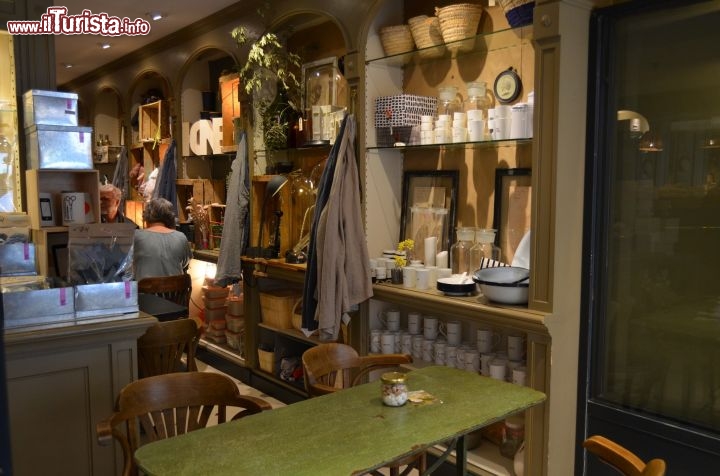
406, 246
201, 218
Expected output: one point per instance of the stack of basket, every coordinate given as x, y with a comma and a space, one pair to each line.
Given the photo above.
427, 36
214, 298
459, 22
235, 322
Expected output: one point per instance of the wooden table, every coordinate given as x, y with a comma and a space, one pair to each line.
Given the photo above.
344, 433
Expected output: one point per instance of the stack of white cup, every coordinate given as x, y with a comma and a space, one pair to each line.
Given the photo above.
499, 121
459, 127
475, 125
427, 130
443, 129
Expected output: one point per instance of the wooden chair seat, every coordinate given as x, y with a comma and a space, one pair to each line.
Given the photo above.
164, 406
173, 288
332, 367
161, 348
622, 459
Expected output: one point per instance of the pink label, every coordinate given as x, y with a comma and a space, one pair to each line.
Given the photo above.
26, 251
128, 290
63, 297
82, 137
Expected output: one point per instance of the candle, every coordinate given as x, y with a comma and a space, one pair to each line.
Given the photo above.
441, 259
430, 250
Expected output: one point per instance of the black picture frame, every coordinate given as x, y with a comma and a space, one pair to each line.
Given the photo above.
511, 210
431, 181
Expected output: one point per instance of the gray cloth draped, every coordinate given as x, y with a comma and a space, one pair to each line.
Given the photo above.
166, 186
235, 234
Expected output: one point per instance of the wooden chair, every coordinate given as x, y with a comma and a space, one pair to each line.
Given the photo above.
331, 367
168, 405
161, 348
173, 288
622, 459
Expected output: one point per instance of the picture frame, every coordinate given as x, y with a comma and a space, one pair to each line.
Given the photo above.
512, 209
429, 207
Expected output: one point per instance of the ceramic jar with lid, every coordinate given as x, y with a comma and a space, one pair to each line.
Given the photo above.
394, 389
513, 435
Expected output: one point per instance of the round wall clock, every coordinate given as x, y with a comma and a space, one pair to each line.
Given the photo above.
507, 86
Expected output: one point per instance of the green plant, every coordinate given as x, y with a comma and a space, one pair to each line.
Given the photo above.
269, 77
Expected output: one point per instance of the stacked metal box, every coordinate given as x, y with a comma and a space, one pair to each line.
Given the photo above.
54, 139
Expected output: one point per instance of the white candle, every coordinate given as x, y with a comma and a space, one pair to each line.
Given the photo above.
430, 250
441, 259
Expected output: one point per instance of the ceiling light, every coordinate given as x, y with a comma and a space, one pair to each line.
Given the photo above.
67, 65
155, 16
105, 45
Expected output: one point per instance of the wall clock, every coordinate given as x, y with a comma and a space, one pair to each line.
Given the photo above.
507, 86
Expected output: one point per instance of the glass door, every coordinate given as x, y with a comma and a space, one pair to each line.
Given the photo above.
10, 191
651, 299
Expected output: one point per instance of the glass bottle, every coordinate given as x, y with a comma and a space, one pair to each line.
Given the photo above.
484, 249
512, 436
460, 251
479, 99
448, 102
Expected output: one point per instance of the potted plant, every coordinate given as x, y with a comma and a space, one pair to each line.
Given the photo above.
269, 77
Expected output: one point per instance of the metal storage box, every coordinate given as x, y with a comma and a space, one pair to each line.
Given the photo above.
59, 147
17, 259
106, 299
41, 306
52, 108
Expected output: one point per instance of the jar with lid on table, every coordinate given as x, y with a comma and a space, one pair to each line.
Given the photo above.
513, 435
394, 389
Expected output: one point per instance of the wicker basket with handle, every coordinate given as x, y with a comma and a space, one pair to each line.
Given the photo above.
396, 39
518, 12
277, 306
458, 22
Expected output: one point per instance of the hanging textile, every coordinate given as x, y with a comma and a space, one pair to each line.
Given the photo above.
121, 177
166, 186
311, 275
343, 263
235, 234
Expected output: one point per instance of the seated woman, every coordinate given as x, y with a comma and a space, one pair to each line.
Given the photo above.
159, 249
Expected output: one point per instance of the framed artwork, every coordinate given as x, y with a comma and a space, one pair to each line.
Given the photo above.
429, 204
511, 214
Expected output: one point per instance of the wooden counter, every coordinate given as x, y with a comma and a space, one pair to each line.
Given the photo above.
61, 380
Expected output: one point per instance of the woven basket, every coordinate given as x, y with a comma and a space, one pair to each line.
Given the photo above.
266, 360
518, 12
426, 34
396, 39
276, 307
459, 21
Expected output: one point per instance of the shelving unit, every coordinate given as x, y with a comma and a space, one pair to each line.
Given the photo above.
420, 72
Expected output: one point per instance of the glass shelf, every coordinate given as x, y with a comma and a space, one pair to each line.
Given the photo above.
482, 43
461, 145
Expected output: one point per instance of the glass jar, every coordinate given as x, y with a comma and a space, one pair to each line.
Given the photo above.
460, 251
484, 250
513, 435
479, 99
448, 103
394, 389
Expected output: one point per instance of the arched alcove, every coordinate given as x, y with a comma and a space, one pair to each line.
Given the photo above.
108, 115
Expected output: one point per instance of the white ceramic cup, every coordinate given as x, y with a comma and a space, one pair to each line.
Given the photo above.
519, 376
417, 343
459, 134
452, 330
381, 272
387, 342
498, 369
474, 115
472, 360
444, 272
451, 355
406, 343
422, 278
476, 130
512, 365
432, 276
430, 327
515, 347
409, 277
390, 319
428, 351
485, 360
414, 322
440, 349
487, 340
460, 357
375, 341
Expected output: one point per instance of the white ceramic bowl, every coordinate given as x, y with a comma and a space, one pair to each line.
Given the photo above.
506, 285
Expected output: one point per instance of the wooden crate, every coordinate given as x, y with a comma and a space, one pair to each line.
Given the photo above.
54, 182
204, 191
282, 201
230, 97
154, 116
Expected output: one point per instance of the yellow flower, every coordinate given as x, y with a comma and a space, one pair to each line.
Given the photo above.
406, 245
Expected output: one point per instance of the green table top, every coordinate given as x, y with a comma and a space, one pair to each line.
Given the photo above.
347, 432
